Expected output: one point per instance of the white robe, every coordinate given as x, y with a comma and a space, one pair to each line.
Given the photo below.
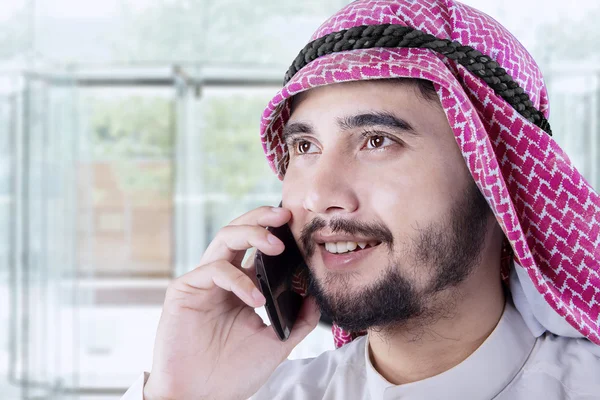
511, 364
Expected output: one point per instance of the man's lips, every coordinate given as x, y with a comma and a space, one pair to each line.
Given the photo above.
322, 239
344, 261
338, 244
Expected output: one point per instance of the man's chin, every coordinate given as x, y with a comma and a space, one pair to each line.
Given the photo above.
355, 303
342, 286
356, 277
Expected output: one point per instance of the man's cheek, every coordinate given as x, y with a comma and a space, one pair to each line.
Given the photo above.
293, 194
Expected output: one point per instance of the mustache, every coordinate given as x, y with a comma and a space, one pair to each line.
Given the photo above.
376, 230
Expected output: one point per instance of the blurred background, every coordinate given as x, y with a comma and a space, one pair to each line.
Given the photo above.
129, 136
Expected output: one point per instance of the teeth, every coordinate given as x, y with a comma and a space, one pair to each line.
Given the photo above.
331, 247
344, 247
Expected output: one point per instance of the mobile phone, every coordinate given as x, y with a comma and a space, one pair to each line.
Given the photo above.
274, 275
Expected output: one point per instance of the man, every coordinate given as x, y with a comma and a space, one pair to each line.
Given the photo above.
447, 235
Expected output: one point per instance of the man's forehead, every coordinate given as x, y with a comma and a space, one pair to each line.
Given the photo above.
375, 88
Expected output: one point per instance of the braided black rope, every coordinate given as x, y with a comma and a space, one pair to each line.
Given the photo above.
388, 35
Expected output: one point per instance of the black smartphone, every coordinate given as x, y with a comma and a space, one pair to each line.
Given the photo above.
274, 275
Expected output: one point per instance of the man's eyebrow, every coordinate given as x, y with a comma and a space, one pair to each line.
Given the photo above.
362, 120
293, 128
370, 119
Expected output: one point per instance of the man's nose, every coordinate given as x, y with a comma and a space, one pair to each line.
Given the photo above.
329, 188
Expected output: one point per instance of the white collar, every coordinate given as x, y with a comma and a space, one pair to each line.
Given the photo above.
483, 375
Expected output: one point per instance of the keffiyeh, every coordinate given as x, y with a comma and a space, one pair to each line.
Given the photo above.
549, 213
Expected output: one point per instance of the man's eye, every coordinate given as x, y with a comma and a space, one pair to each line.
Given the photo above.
377, 141
303, 147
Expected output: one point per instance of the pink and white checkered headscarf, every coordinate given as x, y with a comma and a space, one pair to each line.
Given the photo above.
547, 210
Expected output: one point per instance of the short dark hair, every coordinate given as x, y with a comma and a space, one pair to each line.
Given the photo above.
426, 89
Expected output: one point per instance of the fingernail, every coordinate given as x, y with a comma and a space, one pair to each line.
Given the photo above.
276, 209
258, 296
273, 239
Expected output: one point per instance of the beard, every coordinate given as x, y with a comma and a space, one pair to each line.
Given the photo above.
450, 249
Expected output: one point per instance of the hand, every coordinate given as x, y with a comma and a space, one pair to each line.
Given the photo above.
210, 343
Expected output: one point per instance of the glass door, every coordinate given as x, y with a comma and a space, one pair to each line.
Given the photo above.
125, 228
10, 99
38, 200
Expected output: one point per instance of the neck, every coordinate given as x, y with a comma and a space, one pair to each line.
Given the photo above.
411, 354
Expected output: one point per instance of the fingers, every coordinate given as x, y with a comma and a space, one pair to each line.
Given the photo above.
231, 240
245, 232
220, 264
264, 216
234, 280
224, 275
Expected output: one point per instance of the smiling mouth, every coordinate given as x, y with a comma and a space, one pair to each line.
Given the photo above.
348, 247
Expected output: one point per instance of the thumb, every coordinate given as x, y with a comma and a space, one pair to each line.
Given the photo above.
307, 321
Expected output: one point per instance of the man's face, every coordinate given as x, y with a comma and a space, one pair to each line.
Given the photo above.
383, 205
